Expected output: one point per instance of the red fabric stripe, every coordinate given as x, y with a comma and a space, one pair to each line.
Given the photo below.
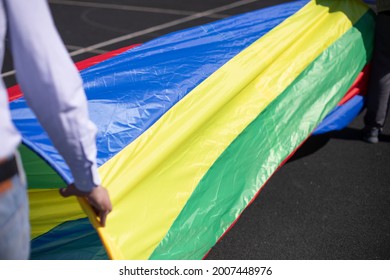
257, 194
15, 92
99, 58
358, 87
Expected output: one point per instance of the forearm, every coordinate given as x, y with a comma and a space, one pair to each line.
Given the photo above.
53, 87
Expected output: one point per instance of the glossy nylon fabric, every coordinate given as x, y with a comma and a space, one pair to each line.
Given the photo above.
349, 107
140, 71
72, 240
128, 93
251, 159
146, 81
58, 225
40, 174
168, 161
341, 116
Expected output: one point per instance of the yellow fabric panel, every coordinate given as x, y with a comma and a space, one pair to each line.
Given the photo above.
49, 209
151, 179
113, 252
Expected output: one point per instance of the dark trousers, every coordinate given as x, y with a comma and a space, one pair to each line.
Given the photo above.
378, 101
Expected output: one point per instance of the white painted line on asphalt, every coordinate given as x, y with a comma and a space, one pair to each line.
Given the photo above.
161, 26
128, 8
151, 29
69, 47
73, 48
7, 74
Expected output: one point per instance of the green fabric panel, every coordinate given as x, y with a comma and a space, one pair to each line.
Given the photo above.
38, 172
257, 152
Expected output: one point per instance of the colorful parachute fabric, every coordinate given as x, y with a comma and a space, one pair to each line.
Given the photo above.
192, 125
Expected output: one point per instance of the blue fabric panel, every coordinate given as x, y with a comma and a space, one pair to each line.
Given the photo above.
130, 92
341, 116
35, 138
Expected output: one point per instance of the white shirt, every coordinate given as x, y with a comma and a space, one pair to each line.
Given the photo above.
52, 88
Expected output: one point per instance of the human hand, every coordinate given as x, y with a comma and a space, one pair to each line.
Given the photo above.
98, 198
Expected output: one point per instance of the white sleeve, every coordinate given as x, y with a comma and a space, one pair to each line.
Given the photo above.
52, 87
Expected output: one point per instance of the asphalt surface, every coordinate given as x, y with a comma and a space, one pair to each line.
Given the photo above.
330, 201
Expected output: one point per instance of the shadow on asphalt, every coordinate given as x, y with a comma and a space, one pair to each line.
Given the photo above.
316, 142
